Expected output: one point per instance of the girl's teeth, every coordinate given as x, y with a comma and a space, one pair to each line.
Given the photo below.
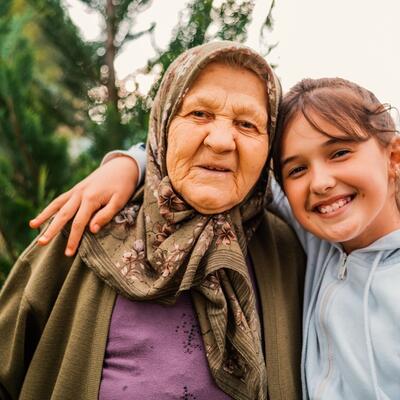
333, 207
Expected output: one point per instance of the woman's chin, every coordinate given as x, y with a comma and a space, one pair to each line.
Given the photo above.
211, 200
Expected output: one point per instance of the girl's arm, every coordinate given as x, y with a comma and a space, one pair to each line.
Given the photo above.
279, 205
96, 199
105, 191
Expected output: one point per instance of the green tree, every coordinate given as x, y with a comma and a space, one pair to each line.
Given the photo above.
34, 163
86, 66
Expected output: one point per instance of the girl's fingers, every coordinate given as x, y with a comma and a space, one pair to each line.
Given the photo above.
64, 214
82, 217
105, 215
50, 210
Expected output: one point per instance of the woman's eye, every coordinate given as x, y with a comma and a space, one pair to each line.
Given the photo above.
200, 114
340, 153
246, 125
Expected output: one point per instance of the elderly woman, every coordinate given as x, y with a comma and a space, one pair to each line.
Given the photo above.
163, 303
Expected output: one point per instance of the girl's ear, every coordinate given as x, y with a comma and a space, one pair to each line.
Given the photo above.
394, 149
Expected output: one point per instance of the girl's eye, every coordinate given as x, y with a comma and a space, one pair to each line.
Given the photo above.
296, 171
340, 153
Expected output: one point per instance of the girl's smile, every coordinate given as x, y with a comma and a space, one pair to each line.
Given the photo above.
333, 206
329, 188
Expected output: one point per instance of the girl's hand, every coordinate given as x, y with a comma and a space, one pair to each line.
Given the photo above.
107, 189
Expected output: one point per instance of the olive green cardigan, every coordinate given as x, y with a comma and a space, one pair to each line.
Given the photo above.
55, 314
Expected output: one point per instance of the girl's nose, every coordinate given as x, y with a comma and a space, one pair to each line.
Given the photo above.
321, 180
221, 136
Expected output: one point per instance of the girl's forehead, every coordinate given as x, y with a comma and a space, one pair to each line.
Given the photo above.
313, 121
298, 131
301, 135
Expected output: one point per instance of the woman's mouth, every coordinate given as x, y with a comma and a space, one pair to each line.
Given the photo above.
215, 168
220, 169
329, 208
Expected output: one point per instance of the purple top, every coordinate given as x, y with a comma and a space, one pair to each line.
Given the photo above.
156, 352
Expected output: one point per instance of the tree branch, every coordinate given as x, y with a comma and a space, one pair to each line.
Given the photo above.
110, 53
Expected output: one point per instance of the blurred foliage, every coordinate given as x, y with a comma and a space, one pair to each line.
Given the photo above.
59, 92
29, 147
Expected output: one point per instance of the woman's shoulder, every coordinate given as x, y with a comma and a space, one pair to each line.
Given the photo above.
278, 229
275, 239
41, 271
276, 243
37, 257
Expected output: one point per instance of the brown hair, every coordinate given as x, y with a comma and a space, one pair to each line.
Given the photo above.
349, 107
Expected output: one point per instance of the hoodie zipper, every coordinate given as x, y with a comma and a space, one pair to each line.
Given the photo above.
343, 268
330, 290
368, 339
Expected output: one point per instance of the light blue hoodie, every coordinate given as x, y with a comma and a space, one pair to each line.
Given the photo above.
351, 324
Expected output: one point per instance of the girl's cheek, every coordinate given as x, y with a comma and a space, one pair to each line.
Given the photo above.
294, 194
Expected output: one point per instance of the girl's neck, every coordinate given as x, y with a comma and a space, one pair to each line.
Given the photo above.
372, 234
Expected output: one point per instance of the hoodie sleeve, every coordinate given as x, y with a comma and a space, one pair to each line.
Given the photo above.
279, 205
137, 153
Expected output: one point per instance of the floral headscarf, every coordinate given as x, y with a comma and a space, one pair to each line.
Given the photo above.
158, 246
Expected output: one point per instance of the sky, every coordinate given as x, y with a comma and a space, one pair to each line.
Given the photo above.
354, 39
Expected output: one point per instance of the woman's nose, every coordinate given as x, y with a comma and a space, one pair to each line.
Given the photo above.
322, 180
221, 136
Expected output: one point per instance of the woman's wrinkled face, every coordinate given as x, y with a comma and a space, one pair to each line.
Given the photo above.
218, 141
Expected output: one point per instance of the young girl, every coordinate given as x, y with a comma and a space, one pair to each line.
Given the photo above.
337, 157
